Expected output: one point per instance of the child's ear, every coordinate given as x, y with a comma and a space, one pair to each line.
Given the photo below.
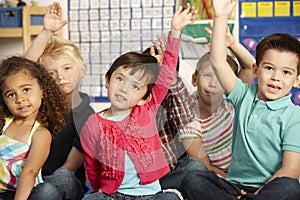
106, 82
254, 70
297, 81
144, 101
194, 79
83, 70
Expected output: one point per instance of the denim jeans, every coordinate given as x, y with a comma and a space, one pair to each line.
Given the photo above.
174, 178
198, 185
118, 196
67, 184
45, 191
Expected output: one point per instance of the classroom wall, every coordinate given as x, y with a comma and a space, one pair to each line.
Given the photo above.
12, 46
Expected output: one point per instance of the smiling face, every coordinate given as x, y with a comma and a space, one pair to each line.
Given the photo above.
126, 90
277, 73
22, 94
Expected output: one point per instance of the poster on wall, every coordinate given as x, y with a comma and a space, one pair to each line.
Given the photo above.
105, 29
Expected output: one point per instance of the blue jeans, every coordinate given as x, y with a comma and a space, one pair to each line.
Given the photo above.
207, 185
45, 191
118, 196
174, 178
67, 184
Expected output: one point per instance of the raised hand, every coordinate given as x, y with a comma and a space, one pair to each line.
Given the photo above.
160, 46
229, 37
223, 8
183, 17
52, 18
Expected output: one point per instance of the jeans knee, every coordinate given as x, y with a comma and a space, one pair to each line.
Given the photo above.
45, 191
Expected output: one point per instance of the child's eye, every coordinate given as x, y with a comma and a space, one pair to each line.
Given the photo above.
10, 95
26, 90
67, 68
269, 67
208, 75
53, 73
135, 87
119, 78
286, 72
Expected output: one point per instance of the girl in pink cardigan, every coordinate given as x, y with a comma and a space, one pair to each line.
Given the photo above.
123, 153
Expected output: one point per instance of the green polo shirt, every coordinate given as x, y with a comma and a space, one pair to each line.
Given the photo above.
262, 131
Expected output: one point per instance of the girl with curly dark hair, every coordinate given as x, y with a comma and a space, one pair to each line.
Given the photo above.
32, 110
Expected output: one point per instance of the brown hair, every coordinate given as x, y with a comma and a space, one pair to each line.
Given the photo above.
280, 42
137, 62
55, 105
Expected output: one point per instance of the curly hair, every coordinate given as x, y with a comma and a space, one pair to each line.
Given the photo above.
55, 105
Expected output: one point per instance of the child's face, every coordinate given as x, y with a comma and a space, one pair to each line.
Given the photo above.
209, 88
65, 72
125, 91
22, 94
277, 74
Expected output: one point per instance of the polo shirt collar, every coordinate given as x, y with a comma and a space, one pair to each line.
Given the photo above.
276, 104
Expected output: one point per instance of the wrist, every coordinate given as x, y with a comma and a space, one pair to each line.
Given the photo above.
175, 33
232, 45
221, 17
50, 32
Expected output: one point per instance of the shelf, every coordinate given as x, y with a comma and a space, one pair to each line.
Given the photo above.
10, 32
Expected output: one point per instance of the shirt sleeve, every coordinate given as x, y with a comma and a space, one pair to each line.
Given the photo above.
179, 106
167, 71
191, 131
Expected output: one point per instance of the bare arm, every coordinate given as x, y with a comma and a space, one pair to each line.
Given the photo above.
195, 149
244, 57
218, 50
37, 156
75, 160
290, 167
52, 23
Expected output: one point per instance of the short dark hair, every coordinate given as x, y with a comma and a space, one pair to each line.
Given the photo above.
280, 42
146, 64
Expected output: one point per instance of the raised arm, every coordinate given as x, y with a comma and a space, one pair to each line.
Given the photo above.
244, 57
226, 76
182, 18
52, 23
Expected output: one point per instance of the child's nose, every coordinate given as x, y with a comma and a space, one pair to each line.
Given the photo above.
20, 99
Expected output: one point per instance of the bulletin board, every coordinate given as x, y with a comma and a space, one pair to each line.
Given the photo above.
105, 29
260, 18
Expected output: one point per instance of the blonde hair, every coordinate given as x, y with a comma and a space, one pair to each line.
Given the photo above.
206, 58
58, 47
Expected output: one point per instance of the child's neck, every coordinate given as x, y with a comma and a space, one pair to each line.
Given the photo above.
109, 113
205, 110
75, 99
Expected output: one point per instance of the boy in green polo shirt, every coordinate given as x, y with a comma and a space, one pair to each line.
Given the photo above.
266, 139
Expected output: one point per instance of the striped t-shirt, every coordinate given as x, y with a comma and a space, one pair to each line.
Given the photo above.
216, 134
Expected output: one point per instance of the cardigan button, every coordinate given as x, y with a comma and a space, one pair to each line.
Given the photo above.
129, 148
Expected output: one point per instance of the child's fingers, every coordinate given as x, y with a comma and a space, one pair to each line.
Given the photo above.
207, 30
161, 42
211, 24
152, 51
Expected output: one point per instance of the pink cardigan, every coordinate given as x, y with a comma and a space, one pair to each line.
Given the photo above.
104, 141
